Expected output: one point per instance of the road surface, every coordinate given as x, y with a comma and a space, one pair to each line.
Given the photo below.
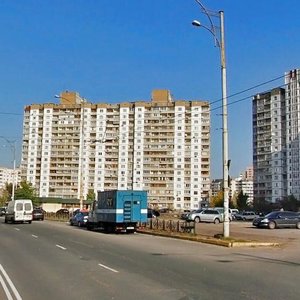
50, 260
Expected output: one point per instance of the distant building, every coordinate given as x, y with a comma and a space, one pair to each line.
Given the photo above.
161, 146
276, 147
248, 174
243, 183
9, 176
216, 186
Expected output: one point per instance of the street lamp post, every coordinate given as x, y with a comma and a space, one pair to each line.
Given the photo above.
12, 145
221, 44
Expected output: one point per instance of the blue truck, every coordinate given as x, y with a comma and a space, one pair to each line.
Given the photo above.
118, 211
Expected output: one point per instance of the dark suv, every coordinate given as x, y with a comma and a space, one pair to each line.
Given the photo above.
2, 211
278, 219
38, 214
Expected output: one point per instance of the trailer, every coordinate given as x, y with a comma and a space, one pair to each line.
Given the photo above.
118, 211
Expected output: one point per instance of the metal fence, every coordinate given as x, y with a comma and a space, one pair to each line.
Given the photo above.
170, 225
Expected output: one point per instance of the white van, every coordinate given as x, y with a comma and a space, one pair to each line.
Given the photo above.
19, 210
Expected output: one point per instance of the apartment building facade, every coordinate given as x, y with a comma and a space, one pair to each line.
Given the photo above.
161, 146
8, 175
269, 145
276, 142
292, 100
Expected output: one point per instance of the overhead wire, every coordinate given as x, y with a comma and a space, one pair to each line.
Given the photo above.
250, 97
249, 89
215, 101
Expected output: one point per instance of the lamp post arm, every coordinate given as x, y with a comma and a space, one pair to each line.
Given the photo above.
205, 11
214, 35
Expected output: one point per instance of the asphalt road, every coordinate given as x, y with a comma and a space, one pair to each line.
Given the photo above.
49, 260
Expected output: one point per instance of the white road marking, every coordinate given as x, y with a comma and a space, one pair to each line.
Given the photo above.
108, 268
5, 288
61, 247
18, 229
12, 287
35, 236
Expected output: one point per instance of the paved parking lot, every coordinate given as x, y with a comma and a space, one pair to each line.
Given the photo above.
245, 230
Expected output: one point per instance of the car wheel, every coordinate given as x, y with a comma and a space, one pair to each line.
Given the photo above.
217, 221
197, 219
272, 225
298, 225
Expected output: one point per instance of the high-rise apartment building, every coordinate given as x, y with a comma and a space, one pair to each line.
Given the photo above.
276, 143
269, 145
292, 99
161, 146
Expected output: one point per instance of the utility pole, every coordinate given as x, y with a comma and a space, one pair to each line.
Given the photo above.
12, 145
220, 42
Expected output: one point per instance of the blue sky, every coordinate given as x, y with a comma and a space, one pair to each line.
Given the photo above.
116, 50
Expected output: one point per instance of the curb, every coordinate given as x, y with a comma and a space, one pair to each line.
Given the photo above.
212, 240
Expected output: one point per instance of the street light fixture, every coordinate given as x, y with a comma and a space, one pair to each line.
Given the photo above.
221, 44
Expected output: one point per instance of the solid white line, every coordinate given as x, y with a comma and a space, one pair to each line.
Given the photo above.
108, 268
18, 229
35, 236
61, 247
5, 288
13, 288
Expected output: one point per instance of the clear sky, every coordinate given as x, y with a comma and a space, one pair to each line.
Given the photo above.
116, 50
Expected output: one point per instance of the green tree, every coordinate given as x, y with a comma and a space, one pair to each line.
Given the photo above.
261, 205
6, 193
91, 195
290, 203
241, 201
218, 200
26, 191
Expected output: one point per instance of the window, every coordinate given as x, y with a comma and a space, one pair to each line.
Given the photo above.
19, 206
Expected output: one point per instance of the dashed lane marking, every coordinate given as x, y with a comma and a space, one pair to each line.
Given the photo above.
108, 268
61, 247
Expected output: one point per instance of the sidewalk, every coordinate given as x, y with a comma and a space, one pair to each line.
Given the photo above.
241, 234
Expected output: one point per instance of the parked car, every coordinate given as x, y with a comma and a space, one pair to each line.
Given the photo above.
63, 211
79, 219
278, 219
152, 213
234, 212
37, 214
211, 215
185, 214
221, 210
2, 211
194, 215
246, 216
